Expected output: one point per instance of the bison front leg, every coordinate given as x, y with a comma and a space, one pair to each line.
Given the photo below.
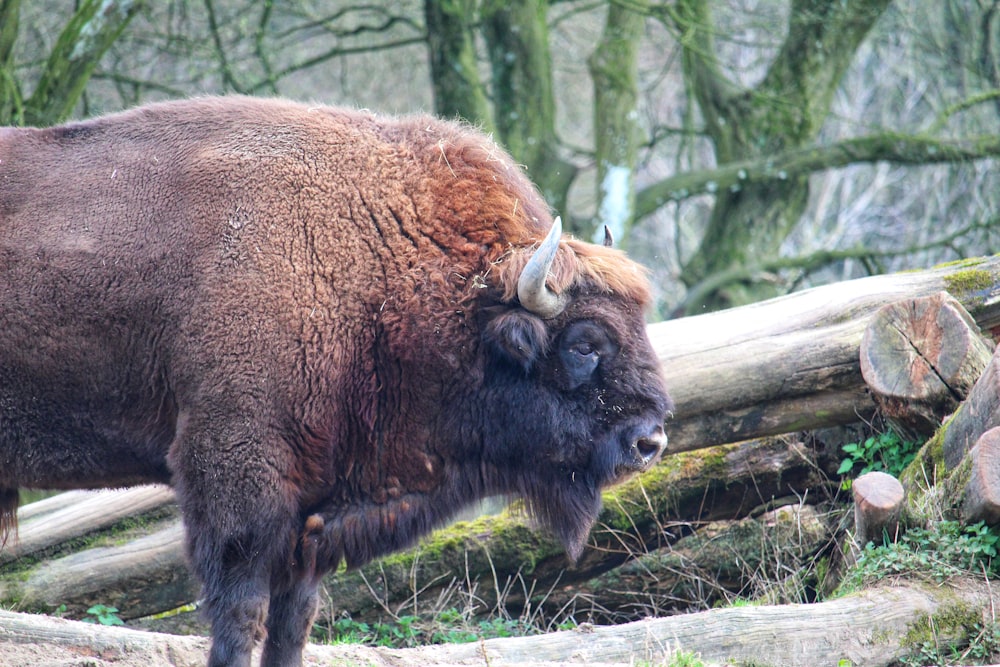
295, 600
288, 623
235, 570
240, 529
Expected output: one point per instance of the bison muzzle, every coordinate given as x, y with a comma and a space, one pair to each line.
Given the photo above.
328, 330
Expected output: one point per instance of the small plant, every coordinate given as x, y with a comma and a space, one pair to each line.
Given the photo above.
980, 646
942, 550
104, 615
884, 452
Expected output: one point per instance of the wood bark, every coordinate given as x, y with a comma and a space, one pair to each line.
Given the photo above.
981, 495
920, 357
878, 504
867, 628
793, 363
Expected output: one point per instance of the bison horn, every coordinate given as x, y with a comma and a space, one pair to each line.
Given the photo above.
532, 291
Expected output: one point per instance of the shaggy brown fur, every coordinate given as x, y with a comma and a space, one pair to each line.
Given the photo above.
305, 320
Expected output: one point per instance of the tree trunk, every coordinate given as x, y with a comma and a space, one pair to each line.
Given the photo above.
868, 628
517, 39
451, 45
751, 220
614, 71
91, 31
920, 357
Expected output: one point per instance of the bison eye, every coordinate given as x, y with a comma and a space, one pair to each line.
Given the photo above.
582, 347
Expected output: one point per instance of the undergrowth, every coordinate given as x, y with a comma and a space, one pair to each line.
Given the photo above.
940, 551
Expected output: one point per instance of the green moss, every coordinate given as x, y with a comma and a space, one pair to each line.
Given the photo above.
955, 621
971, 261
969, 280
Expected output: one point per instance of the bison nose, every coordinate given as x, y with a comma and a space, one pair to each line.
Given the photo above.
650, 447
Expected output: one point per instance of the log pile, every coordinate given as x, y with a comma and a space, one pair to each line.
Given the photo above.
831, 356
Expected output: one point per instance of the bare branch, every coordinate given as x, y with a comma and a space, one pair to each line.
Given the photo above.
888, 147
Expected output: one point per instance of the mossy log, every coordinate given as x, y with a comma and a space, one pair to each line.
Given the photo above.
920, 357
503, 556
721, 560
147, 574
874, 628
793, 363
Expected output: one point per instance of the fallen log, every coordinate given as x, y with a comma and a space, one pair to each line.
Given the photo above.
793, 363
920, 357
718, 562
70, 515
148, 574
868, 628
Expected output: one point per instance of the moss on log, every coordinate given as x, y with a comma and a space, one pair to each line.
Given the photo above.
506, 554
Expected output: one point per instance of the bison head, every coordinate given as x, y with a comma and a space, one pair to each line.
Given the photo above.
575, 389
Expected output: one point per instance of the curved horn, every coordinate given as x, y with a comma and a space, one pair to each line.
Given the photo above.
534, 295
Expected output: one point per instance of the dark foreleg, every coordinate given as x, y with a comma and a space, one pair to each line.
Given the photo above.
295, 601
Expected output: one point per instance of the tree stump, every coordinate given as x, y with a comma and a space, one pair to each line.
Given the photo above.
878, 501
920, 358
981, 500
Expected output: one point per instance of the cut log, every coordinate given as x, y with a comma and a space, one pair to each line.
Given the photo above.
142, 577
878, 502
981, 499
868, 628
920, 357
793, 363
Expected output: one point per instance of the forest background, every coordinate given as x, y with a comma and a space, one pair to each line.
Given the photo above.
739, 148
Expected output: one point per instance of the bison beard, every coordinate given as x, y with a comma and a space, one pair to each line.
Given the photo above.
327, 329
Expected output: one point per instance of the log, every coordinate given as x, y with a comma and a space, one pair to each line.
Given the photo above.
52, 521
979, 413
948, 478
920, 357
793, 363
981, 497
148, 575
141, 577
501, 556
719, 561
867, 628
878, 503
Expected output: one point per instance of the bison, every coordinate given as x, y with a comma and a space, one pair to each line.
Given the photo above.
327, 329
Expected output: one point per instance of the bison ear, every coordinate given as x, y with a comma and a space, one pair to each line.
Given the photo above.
517, 335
